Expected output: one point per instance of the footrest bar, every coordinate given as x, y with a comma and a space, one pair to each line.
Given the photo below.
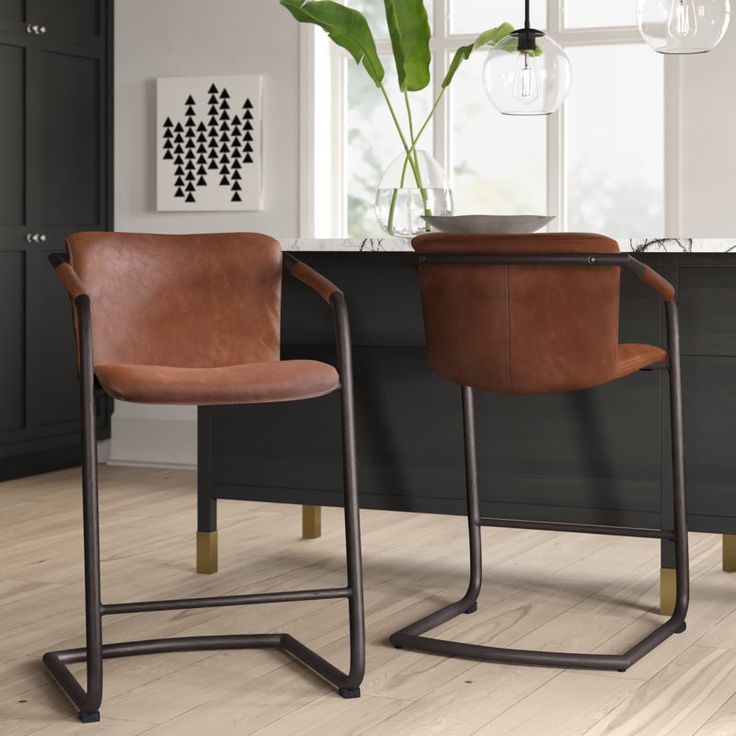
228, 600
553, 526
175, 644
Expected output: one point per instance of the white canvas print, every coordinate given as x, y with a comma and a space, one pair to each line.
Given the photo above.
209, 143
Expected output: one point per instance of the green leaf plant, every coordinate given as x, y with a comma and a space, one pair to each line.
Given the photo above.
410, 34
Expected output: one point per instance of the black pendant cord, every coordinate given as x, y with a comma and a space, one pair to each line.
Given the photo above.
527, 36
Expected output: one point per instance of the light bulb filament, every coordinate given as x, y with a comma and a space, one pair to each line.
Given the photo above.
526, 82
682, 21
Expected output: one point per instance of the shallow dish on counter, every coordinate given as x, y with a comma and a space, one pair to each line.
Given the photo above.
492, 224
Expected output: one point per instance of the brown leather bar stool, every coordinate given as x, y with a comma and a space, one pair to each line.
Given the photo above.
536, 314
195, 319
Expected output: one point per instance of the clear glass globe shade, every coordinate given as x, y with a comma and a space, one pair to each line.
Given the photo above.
683, 26
527, 83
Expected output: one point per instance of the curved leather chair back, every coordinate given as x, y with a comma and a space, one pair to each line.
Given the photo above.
197, 301
520, 329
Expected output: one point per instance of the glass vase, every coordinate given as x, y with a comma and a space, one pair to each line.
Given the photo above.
413, 187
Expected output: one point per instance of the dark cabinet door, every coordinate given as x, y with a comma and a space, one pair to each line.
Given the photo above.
67, 158
14, 272
67, 147
13, 15
79, 21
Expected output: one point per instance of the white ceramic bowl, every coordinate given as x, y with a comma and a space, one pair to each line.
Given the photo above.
490, 224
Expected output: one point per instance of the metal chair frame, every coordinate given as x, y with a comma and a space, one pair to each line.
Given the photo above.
411, 637
88, 701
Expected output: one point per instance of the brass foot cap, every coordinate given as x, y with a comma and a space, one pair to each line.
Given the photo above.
206, 553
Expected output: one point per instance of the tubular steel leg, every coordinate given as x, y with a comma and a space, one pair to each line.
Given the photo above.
88, 703
411, 636
350, 687
682, 562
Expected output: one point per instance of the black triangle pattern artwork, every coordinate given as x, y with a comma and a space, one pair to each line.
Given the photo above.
214, 145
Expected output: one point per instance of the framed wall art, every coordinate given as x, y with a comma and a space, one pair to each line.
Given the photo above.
209, 143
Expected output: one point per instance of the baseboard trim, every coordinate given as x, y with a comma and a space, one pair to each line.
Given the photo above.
153, 440
151, 464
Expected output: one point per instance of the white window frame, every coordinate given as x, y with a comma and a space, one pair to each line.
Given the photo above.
323, 164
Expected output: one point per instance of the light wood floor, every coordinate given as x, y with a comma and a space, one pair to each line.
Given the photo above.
542, 590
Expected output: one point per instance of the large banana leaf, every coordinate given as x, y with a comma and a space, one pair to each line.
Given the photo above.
488, 38
408, 26
346, 27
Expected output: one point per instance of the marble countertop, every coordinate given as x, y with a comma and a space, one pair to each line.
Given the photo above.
375, 245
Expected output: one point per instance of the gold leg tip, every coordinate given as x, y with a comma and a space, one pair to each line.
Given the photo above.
311, 522
667, 591
729, 553
206, 553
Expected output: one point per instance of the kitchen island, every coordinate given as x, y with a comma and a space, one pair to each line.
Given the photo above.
599, 456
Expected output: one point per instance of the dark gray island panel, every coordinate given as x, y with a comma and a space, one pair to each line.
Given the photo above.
591, 456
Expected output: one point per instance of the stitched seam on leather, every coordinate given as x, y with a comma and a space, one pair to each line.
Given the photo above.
508, 326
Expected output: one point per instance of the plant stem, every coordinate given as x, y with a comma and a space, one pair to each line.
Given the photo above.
395, 119
413, 155
407, 148
395, 195
415, 139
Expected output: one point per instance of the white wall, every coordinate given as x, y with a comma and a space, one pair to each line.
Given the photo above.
177, 38
708, 142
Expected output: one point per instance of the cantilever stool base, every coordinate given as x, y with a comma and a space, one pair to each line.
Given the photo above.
412, 636
58, 662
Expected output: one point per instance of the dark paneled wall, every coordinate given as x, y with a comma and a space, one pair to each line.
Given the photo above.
55, 179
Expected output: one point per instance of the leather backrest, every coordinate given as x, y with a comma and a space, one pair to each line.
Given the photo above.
520, 329
181, 300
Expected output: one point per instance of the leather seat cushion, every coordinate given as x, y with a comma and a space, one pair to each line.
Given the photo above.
632, 357
251, 383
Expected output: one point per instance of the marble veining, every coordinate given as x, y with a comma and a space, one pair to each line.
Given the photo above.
377, 245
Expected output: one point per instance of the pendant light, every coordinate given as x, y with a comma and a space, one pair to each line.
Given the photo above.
527, 73
683, 26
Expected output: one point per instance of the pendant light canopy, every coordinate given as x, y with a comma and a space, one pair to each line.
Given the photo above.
527, 73
683, 26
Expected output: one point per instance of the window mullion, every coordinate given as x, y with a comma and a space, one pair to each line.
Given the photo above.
441, 127
556, 176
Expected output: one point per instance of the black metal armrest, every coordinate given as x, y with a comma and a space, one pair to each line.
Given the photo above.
336, 299
649, 277
308, 276
68, 276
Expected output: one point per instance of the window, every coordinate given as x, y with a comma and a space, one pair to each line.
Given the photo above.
597, 165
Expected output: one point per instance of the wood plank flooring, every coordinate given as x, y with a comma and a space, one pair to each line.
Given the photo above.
542, 590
